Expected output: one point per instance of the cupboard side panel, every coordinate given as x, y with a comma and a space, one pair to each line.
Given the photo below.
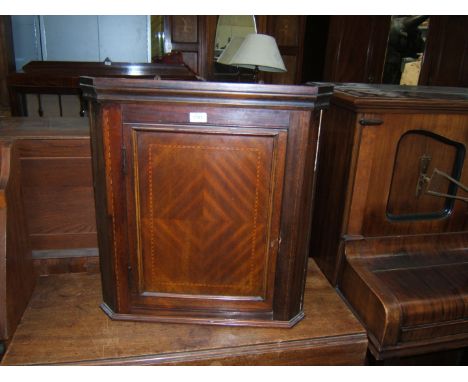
333, 171
99, 127
294, 217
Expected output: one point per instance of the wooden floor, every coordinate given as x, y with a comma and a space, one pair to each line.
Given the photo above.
63, 324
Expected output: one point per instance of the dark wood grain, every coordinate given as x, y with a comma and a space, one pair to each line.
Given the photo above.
289, 34
73, 70
208, 221
210, 168
276, 97
357, 45
186, 34
56, 180
414, 301
62, 77
411, 147
53, 185
7, 61
40, 128
445, 60
371, 206
337, 154
353, 159
399, 258
329, 334
356, 48
16, 268
49, 262
48, 205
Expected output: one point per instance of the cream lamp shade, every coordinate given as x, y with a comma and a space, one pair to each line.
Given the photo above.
230, 50
259, 51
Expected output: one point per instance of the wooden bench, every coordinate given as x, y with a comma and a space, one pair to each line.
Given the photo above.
56, 182
47, 224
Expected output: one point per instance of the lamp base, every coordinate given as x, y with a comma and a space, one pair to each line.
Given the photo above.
255, 75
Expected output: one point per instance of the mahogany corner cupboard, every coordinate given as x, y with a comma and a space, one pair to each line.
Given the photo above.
203, 198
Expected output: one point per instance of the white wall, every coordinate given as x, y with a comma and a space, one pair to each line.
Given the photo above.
81, 38
124, 38
69, 38
26, 39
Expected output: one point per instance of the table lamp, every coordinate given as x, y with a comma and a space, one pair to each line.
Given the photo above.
258, 52
228, 53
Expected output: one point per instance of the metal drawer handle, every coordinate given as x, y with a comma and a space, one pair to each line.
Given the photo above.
370, 122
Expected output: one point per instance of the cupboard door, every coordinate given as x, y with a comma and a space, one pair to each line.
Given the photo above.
202, 204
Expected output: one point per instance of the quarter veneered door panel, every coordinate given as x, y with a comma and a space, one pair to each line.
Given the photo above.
203, 211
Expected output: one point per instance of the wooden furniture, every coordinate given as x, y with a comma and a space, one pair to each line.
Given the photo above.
16, 270
445, 61
64, 325
357, 44
203, 198
186, 34
356, 47
289, 34
194, 36
397, 251
7, 62
62, 78
49, 226
56, 180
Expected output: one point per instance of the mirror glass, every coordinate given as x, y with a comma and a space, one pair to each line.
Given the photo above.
232, 26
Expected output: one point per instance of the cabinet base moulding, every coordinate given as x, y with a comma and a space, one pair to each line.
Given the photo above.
204, 320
